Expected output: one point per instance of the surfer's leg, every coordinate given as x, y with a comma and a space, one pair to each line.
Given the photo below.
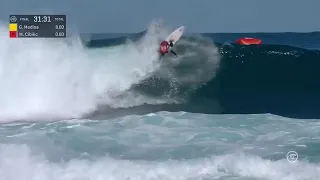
173, 52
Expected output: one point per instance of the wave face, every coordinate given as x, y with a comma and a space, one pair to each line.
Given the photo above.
277, 79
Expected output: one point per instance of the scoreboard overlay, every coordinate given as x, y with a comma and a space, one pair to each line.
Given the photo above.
37, 26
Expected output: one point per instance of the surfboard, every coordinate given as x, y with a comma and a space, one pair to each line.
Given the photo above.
176, 35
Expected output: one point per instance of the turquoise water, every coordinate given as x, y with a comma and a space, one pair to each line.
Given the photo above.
162, 146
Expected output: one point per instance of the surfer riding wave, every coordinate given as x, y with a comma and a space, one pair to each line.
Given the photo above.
165, 46
170, 41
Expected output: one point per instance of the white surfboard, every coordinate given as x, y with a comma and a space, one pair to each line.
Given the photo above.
176, 35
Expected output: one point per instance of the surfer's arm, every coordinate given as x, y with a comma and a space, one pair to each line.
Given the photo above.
173, 52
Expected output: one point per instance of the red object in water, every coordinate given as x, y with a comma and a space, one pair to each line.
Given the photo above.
248, 41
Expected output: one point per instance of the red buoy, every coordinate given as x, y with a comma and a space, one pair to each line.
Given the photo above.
248, 41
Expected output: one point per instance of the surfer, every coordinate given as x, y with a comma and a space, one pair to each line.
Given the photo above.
165, 46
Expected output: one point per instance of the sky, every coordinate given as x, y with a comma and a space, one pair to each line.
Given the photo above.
127, 16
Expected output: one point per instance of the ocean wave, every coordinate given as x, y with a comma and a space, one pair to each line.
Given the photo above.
63, 79
50, 79
277, 79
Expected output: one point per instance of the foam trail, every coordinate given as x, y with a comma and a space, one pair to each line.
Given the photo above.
50, 79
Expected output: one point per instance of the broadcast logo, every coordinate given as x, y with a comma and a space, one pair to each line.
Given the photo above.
292, 156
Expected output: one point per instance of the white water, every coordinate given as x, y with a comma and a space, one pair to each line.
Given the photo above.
161, 146
17, 162
48, 79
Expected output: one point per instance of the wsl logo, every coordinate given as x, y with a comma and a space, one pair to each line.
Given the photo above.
292, 156
13, 19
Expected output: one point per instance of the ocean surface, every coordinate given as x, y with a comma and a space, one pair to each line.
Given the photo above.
104, 107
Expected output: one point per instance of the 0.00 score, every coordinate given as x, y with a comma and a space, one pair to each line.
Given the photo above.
59, 34
59, 26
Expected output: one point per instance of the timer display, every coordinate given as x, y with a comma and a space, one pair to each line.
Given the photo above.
42, 19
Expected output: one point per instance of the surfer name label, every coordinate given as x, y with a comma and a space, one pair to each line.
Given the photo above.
28, 34
29, 27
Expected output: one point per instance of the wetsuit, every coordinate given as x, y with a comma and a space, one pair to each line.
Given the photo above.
164, 48
171, 45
